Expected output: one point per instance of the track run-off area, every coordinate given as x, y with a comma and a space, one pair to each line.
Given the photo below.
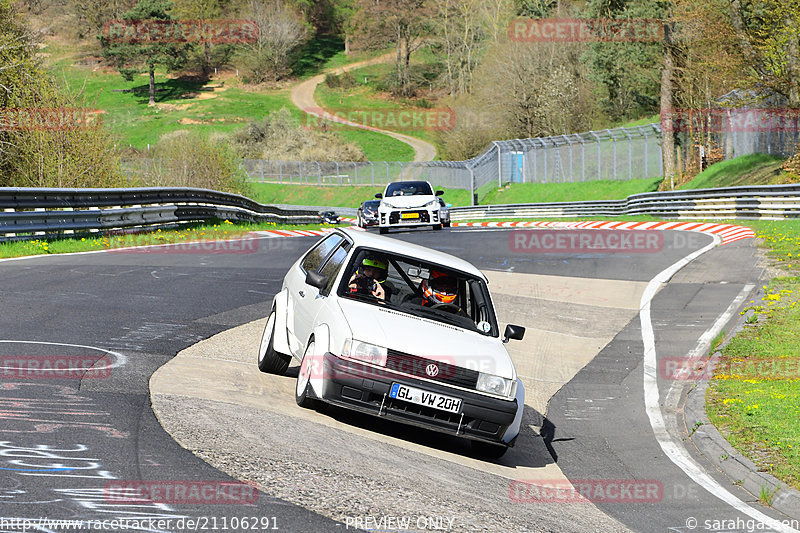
173, 401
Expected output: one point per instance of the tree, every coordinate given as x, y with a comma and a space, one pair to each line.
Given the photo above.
281, 31
768, 34
208, 54
457, 24
628, 73
406, 23
143, 53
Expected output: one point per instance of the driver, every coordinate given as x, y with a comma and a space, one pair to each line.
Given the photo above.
439, 288
370, 276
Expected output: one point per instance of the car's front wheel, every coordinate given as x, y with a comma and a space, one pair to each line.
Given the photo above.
437, 227
269, 360
383, 231
303, 387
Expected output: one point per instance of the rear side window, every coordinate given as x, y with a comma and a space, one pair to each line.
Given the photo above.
314, 259
334, 265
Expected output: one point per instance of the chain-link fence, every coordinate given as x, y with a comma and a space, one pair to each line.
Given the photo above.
613, 154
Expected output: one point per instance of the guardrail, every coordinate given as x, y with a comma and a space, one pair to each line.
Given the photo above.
770, 202
37, 212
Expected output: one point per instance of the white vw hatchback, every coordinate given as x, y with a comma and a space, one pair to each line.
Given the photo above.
399, 331
408, 203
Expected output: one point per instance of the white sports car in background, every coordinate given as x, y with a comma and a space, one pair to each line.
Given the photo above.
398, 331
408, 203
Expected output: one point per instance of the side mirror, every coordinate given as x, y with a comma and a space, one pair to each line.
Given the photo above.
439, 193
315, 279
513, 332
378, 195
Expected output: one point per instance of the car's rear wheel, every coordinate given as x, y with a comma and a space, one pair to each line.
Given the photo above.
302, 389
487, 450
437, 227
446, 224
269, 360
383, 231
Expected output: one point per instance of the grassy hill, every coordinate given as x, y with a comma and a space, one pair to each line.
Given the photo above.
753, 169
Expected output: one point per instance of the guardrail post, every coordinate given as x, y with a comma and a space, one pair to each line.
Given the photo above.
355, 172
372, 172
387, 172
319, 173
614, 141
280, 171
630, 155
338, 175
583, 158
261, 165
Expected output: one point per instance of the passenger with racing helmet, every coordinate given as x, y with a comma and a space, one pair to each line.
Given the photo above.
370, 276
439, 289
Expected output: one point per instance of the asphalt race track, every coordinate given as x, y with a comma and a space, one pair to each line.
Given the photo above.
67, 442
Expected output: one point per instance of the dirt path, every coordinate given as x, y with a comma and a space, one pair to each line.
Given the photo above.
303, 97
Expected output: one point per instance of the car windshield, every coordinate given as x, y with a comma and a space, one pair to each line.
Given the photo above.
421, 289
372, 204
409, 188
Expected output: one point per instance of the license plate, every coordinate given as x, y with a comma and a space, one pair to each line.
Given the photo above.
409, 215
428, 399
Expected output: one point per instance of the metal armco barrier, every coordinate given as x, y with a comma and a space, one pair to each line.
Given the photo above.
32, 212
769, 202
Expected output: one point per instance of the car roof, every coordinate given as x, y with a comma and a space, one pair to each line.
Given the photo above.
378, 242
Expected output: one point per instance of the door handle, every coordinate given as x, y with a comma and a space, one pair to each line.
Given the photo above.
302, 294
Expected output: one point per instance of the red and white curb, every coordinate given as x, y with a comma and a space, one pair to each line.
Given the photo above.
727, 232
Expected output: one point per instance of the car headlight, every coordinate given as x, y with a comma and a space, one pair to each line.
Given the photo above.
494, 384
432, 203
364, 351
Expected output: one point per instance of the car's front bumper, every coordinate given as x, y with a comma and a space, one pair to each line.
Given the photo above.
395, 218
353, 385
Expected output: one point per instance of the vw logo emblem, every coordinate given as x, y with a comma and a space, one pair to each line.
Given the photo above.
432, 370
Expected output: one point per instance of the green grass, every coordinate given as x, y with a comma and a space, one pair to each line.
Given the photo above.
367, 96
184, 104
516, 193
333, 196
189, 233
324, 52
644, 121
753, 169
754, 395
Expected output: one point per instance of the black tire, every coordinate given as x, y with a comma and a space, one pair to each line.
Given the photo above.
269, 360
487, 450
383, 231
446, 224
303, 386
437, 227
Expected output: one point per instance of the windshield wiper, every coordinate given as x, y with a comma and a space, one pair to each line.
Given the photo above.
450, 318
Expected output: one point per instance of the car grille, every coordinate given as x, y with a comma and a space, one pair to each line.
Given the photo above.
416, 366
394, 217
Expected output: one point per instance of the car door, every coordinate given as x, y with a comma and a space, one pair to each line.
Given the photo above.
313, 301
299, 293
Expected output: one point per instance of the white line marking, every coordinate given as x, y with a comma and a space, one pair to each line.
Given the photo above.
120, 360
672, 448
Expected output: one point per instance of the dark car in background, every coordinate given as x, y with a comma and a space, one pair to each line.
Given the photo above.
368, 213
329, 217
